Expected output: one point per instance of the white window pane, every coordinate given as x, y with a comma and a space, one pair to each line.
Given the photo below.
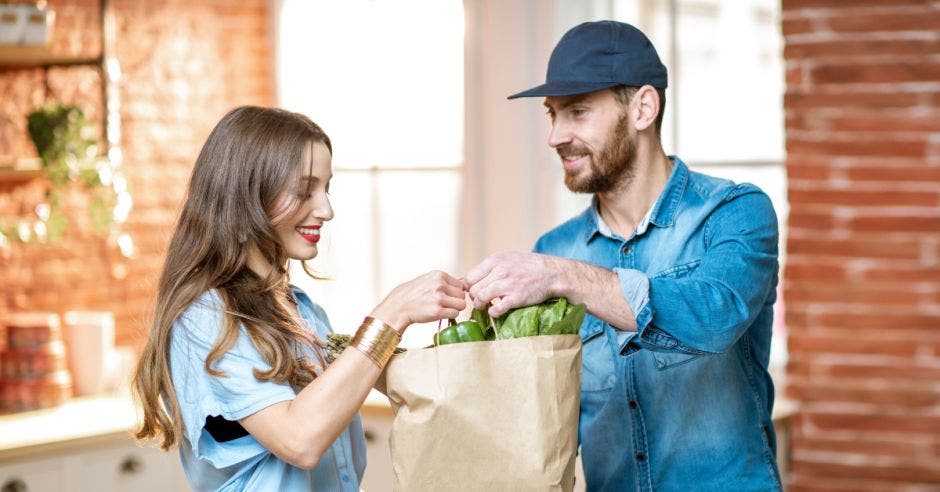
383, 77
418, 231
729, 86
345, 255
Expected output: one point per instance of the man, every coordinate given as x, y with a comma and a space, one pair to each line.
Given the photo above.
678, 271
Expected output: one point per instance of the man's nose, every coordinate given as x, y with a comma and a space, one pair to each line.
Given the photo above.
560, 135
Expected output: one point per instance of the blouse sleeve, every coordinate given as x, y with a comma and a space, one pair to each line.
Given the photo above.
234, 395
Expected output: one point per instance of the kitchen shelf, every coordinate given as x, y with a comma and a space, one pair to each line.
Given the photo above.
19, 170
25, 56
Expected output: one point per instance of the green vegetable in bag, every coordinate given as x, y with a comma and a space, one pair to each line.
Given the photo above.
519, 322
465, 331
550, 314
552, 317
570, 323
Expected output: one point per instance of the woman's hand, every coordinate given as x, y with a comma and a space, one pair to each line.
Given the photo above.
430, 297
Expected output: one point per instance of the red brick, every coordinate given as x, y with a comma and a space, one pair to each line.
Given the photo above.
910, 398
885, 123
803, 482
832, 272
913, 473
899, 273
794, 5
879, 20
840, 98
896, 249
918, 174
833, 291
860, 47
902, 373
858, 147
896, 224
867, 447
880, 423
922, 324
811, 172
795, 75
834, 345
864, 198
881, 72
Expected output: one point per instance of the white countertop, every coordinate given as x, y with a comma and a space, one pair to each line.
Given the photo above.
83, 421
80, 420
109, 418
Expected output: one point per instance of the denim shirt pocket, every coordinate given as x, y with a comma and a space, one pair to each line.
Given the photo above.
666, 349
667, 360
597, 357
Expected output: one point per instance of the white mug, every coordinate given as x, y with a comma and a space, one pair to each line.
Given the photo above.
90, 339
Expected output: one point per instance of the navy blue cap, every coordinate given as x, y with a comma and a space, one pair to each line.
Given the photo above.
599, 55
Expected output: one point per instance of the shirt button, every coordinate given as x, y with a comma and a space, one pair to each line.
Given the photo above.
625, 249
633, 404
640, 456
345, 478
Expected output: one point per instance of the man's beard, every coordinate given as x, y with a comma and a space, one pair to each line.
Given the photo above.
612, 168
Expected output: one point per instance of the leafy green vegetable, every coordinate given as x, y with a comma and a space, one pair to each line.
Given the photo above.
336, 343
552, 317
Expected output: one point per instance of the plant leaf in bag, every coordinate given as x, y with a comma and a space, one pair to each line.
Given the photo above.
483, 318
519, 322
551, 312
571, 323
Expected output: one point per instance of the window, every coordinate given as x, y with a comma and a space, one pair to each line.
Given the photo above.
387, 86
725, 100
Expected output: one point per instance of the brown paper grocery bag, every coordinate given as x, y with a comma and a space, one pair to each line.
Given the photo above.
495, 415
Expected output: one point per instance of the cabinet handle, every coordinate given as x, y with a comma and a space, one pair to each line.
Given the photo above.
130, 466
14, 485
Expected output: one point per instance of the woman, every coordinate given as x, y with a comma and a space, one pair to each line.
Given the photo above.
234, 370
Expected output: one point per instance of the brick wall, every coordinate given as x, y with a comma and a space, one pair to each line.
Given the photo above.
184, 64
862, 280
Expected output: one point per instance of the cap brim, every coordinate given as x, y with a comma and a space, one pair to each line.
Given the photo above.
553, 89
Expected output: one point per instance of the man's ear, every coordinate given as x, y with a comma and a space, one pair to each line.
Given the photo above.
647, 107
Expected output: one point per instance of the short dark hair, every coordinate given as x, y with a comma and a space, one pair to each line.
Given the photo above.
624, 93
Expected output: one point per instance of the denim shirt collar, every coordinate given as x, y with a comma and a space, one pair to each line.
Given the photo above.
664, 211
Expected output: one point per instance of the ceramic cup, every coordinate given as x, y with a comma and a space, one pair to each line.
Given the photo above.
90, 339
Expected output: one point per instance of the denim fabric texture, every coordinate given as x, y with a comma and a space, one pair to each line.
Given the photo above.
685, 402
245, 464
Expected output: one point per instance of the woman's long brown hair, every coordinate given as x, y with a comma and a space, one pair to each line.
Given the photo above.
250, 159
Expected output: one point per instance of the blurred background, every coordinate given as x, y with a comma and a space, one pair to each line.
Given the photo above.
832, 107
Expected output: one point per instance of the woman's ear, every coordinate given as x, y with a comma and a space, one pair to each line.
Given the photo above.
647, 107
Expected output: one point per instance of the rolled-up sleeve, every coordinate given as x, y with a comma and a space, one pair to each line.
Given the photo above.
710, 308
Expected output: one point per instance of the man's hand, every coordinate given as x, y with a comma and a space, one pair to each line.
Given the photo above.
513, 279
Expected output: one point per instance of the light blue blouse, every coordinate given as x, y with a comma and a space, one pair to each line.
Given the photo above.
244, 463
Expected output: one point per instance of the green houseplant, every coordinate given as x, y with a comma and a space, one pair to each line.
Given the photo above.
65, 140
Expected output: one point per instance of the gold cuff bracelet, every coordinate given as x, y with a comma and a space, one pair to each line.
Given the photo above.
376, 339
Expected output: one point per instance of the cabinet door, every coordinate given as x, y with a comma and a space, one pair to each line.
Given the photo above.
125, 467
41, 475
379, 474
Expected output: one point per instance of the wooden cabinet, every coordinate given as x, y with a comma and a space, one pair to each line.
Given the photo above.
377, 424
121, 467
35, 475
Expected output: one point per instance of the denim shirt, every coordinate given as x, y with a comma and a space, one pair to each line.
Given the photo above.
684, 403
244, 463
